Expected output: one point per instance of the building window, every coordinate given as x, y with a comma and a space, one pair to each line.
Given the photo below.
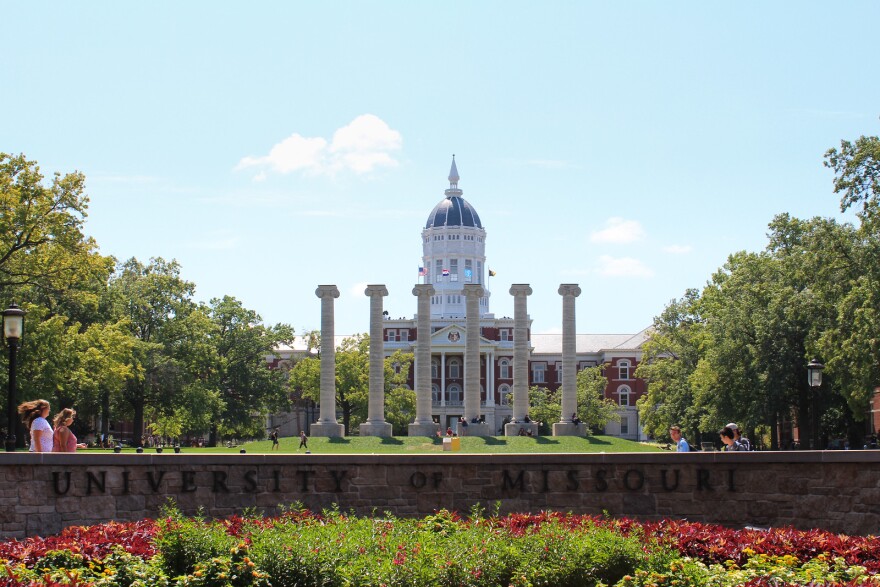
454, 395
623, 369
392, 335
404, 335
435, 369
454, 369
623, 395
504, 369
504, 395
624, 425
505, 335
538, 370
439, 271
468, 270
435, 394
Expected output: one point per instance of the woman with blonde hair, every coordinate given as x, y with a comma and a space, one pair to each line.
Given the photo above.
63, 440
33, 415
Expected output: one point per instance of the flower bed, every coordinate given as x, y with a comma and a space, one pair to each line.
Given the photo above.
300, 548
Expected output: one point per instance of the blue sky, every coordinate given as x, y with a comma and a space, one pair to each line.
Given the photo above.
269, 147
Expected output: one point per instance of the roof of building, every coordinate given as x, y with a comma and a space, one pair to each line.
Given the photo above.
453, 210
551, 344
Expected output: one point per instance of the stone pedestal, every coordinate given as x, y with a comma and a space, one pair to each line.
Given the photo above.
417, 429
513, 428
375, 429
481, 429
327, 429
569, 429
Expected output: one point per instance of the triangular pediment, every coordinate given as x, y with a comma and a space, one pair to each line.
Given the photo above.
453, 335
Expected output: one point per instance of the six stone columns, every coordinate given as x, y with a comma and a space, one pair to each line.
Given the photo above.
520, 291
565, 427
423, 425
376, 424
327, 424
472, 294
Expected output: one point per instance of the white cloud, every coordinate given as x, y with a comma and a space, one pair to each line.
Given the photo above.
365, 144
357, 290
623, 267
678, 249
619, 231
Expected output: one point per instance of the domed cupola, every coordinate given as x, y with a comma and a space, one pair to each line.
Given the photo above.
453, 210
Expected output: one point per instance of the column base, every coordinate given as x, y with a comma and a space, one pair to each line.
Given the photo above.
528, 429
569, 429
327, 429
480, 429
429, 429
380, 428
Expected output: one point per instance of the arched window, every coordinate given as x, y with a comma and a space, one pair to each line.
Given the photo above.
435, 369
435, 394
504, 394
504, 369
623, 393
623, 368
454, 369
454, 395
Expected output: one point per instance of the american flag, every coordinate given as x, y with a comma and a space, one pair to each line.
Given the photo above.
422, 272
446, 273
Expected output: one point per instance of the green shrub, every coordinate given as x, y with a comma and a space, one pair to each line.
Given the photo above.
183, 542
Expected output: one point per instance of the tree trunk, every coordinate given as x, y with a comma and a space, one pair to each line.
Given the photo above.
212, 435
105, 416
138, 423
774, 431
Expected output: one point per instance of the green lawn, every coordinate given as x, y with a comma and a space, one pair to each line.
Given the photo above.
421, 444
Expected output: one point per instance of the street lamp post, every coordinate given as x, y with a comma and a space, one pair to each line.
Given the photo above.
814, 378
13, 329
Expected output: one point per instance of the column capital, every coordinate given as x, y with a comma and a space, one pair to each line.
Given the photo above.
423, 289
569, 289
473, 290
327, 291
520, 289
376, 290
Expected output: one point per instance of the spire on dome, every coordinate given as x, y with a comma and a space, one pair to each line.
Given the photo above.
453, 190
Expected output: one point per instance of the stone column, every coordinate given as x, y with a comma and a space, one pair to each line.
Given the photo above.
565, 427
472, 294
327, 424
376, 424
520, 293
423, 425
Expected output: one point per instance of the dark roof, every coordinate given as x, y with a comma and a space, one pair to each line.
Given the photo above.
453, 211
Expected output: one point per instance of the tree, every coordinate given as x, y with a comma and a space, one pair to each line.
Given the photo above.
248, 387
593, 408
155, 302
400, 401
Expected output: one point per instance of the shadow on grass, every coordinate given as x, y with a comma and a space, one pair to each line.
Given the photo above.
338, 440
492, 440
596, 441
391, 440
545, 440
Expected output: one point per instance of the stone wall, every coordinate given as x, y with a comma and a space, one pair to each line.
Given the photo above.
838, 491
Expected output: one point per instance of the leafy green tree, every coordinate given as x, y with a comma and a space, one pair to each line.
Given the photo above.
670, 359
400, 401
248, 387
545, 407
155, 302
593, 408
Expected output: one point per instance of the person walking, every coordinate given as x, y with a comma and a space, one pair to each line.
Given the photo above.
681, 445
303, 439
33, 415
274, 438
63, 440
737, 435
728, 437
